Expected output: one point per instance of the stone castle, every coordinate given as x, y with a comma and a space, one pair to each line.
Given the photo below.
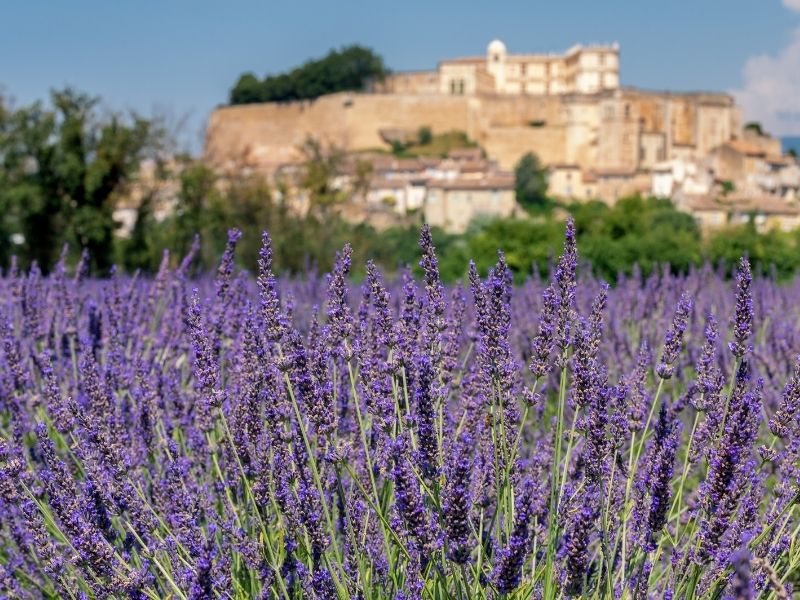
567, 108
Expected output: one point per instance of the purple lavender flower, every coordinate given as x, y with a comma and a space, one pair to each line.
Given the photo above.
638, 397
743, 321
673, 340
224, 271
729, 467
565, 282
274, 324
507, 573
434, 293
340, 319
544, 341
784, 421
741, 585
457, 501
575, 548
708, 375
426, 398
409, 503
658, 475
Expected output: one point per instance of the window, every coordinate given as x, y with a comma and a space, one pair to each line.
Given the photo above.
627, 111
461, 87
453, 86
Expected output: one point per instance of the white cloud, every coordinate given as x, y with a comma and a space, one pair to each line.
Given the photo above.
792, 4
771, 87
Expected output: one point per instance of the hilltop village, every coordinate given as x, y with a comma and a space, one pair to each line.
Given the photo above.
597, 139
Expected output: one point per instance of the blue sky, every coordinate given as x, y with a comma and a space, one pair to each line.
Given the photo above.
180, 57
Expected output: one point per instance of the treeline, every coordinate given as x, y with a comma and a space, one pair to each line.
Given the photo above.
647, 232
350, 68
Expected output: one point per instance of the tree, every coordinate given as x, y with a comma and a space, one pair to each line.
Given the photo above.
530, 182
322, 165
247, 90
350, 68
63, 168
424, 135
755, 127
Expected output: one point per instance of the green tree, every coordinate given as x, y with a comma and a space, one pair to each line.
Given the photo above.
247, 90
755, 126
531, 182
321, 166
63, 168
424, 135
350, 68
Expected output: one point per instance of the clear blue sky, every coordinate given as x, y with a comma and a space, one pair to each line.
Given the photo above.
182, 56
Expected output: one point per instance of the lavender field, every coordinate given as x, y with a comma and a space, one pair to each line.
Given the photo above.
248, 436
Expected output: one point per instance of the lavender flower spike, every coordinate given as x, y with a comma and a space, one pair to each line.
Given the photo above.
743, 322
673, 340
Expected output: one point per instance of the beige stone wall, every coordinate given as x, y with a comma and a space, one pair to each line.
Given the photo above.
603, 131
411, 82
458, 79
453, 210
268, 135
714, 127
507, 145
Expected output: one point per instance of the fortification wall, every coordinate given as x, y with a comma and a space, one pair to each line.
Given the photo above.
594, 131
269, 134
508, 144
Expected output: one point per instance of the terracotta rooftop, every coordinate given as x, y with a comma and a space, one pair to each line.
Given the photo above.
766, 204
615, 172
498, 181
589, 177
465, 154
746, 148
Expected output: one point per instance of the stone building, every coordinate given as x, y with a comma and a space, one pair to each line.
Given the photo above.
766, 212
569, 109
581, 70
452, 204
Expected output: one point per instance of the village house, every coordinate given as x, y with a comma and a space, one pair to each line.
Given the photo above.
452, 204
570, 182
766, 212
739, 162
447, 192
694, 178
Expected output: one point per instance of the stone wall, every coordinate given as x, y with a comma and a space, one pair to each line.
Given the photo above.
268, 135
595, 131
507, 144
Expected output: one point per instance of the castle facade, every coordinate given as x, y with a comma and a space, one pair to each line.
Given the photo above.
581, 70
